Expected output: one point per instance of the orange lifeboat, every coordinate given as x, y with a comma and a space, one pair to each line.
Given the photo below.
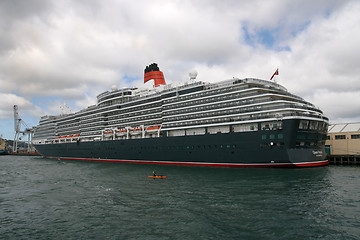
153, 129
120, 132
135, 131
108, 132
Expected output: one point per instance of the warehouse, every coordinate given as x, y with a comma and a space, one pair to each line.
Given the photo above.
343, 139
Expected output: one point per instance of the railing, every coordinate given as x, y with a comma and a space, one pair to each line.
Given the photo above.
241, 119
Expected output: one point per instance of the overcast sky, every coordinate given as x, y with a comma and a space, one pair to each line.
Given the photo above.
56, 51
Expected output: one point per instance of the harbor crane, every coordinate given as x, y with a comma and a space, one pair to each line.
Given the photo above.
21, 134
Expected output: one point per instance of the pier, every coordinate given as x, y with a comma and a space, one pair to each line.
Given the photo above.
344, 159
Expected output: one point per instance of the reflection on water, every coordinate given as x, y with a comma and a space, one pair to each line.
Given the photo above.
50, 199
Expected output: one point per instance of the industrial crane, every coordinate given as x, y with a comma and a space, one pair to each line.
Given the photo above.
19, 134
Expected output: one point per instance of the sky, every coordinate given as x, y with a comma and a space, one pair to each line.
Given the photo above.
70, 51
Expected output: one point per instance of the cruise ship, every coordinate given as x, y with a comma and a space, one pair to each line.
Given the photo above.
232, 123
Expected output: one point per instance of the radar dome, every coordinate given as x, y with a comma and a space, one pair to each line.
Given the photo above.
114, 88
193, 74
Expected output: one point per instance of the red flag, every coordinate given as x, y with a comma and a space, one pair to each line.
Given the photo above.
275, 73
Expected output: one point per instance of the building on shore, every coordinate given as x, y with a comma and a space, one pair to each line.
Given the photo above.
2, 146
343, 139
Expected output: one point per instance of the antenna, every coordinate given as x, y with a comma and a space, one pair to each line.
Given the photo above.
64, 109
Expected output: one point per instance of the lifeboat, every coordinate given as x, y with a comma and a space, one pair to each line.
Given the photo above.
135, 131
108, 132
60, 139
153, 129
75, 137
67, 137
120, 132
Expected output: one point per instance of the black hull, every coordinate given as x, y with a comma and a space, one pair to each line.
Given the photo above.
3, 152
232, 149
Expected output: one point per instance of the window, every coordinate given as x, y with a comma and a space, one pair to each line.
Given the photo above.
300, 144
313, 125
311, 136
355, 136
263, 137
303, 124
301, 136
327, 137
338, 137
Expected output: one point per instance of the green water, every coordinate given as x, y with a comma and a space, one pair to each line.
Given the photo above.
52, 199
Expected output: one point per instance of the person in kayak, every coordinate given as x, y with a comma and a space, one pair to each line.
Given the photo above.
154, 173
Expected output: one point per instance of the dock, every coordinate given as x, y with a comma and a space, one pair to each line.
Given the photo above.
344, 159
25, 153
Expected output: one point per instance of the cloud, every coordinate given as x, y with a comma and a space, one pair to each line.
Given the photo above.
323, 57
333, 104
8, 101
51, 51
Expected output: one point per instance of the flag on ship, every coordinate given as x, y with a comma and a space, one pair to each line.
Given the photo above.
153, 72
275, 73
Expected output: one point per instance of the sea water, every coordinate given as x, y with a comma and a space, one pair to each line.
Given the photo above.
55, 199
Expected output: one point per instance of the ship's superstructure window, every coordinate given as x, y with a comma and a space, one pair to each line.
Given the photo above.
313, 125
303, 124
271, 125
245, 127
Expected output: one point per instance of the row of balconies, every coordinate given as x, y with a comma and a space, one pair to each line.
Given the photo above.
117, 115
137, 123
239, 118
204, 94
233, 110
209, 100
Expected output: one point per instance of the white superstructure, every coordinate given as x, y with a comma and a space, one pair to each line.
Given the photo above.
193, 109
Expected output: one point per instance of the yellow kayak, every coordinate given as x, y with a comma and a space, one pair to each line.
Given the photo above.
157, 176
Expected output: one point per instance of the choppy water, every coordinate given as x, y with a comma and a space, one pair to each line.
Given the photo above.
52, 199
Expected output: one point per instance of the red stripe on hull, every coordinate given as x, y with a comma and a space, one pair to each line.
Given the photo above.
312, 164
234, 165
